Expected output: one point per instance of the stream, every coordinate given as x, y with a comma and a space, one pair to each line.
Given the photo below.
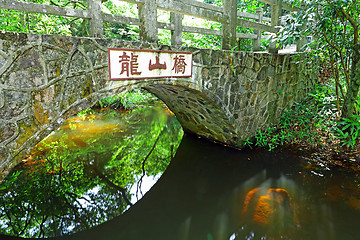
134, 175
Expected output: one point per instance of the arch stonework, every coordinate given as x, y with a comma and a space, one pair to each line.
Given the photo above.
44, 79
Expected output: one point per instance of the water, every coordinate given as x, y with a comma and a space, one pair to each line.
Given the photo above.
207, 192
89, 171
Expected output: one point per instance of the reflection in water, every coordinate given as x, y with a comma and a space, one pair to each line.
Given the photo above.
267, 212
293, 203
266, 206
208, 192
89, 171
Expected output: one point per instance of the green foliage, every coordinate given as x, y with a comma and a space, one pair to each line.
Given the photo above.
261, 139
127, 99
309, 123
201, 40
19, 21
333, 27
248, 143
250, 6
348, 130
122, 31
164, 37
133, 98
313, 122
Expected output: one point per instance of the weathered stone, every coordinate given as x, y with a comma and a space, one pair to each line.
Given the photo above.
249, 62
206, 56
241, 90
253, 86
215, 72
253, 100
257, 66
205, 73
247, 85
262, 75
2, 61
250, 73
216, 58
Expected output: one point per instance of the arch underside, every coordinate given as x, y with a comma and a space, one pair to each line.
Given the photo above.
196, 112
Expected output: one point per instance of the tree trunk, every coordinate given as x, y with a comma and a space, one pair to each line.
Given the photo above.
353, 90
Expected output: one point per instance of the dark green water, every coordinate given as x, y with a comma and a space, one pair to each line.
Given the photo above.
84, 182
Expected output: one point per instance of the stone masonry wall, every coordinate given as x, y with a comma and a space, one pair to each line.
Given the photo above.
45, 79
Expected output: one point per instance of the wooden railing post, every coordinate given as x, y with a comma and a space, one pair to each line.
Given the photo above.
257, 42
176, 33
275, 21
96, 28
148, 21
229, 29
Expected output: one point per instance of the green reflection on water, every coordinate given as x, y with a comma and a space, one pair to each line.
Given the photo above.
82, 174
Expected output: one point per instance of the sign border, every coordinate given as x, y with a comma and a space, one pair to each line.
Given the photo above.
146, 50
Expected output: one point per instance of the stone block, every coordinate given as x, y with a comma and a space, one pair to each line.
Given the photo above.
205, 73
257, 66
218, 58
262, 74
249, 73
253, 100
2, 61
253, 86
215, 72
206, 56
249, 63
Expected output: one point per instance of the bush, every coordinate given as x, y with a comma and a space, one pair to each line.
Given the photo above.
314, 122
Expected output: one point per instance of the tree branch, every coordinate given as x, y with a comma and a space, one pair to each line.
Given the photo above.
41, 231
144, 161
342, 12
11, 223
335, 70
111, 184
329, 42
353, 23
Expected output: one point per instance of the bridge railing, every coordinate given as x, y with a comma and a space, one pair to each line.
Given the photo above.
227, 15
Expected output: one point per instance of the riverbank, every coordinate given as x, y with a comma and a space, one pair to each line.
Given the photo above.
332, 155
314, 128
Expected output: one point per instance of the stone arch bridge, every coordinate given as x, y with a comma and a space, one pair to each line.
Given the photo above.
44, 79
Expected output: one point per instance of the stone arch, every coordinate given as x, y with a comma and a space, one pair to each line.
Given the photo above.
197, 112
46, 78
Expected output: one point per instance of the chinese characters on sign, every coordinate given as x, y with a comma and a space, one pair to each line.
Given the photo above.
125, 61
179, 64
127, 64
